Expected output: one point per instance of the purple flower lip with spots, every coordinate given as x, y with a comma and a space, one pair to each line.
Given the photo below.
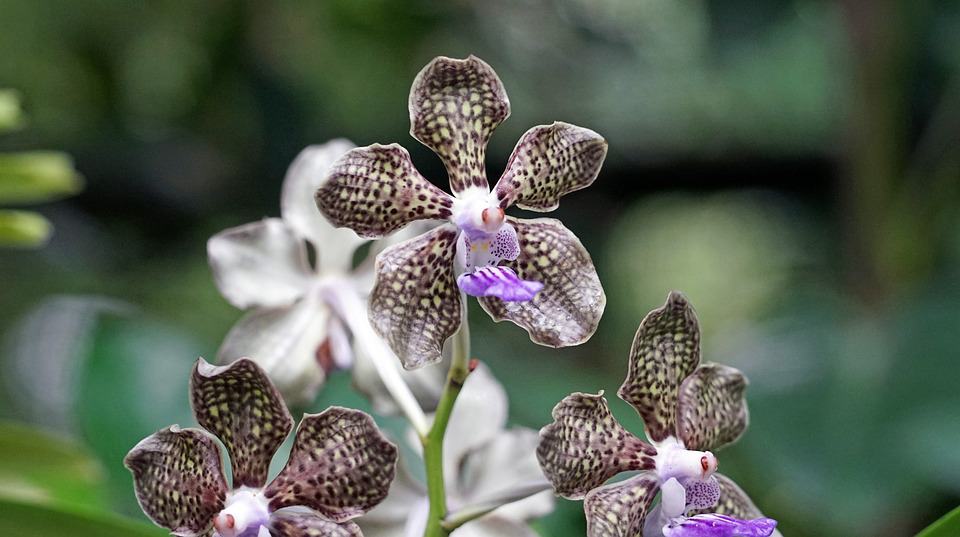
501, 282
714, 525
455, 105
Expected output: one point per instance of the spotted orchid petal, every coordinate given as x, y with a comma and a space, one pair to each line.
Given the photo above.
376, 190
715, 525
733, 501
585, 446
480, 251
300, 524
548, 162
292, 344
341, 466
666, 349
455, 105
498, 282
619, 509
415, 302
239, 404
259, 264
568, 308
701, 493
712, 407
335, 246
388, 519
178, 479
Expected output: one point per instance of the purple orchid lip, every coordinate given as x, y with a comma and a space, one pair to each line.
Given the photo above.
714, 525
500, 282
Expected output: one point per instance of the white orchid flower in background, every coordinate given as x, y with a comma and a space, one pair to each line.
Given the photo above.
307, 313
485, 466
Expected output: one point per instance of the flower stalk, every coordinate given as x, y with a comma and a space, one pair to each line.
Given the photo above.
433, 442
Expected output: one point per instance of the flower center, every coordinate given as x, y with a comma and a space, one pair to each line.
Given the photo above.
478, 215
674, 460
246, 509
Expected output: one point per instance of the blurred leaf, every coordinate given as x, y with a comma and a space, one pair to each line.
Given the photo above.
30, 177
947, 526
10, 116
27, 520
23, 229
42, 468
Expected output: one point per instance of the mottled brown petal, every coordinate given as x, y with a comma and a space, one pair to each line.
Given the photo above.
712, 408
178, 478
666, 349
454, 107
295, 524
415, 302
568, 308
619, 509
341, 466
585, 446
375, 190
239, 404
733, 501
550, 161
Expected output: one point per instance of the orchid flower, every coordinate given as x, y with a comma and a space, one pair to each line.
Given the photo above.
485, 463
304, 320
535, 273
688, 409
339, 468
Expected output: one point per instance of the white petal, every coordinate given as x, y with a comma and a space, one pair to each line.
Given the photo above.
479, 415
507, 463
673, 498
494, 526
335, 246
284, 342
259, 264
426, 383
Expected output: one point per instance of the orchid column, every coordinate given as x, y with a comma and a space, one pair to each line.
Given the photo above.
534, 273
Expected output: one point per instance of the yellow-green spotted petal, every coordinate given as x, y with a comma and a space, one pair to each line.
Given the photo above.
239, 404
712, 407
620, 509
341, 466
178, 479
548, 162
293, 524
568, 308
666, 349
454, 107
375, 190
585, 446
733, 501
415, 302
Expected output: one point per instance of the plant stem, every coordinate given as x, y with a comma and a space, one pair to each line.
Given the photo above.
433, 442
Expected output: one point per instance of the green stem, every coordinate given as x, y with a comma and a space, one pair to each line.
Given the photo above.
433, 443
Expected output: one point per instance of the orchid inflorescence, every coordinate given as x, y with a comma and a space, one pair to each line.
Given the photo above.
306, 319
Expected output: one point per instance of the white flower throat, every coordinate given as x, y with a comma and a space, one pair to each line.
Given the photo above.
245, 512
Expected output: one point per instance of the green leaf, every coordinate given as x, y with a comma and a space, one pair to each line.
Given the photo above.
28, 520
947, 526
34, 176
23, 229
10, 112
45, 469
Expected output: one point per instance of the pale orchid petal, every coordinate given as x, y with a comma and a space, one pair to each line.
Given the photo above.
673, 498
239, 404
178, 479
665, 351
289, 343
494, 525
455, 105
426, 383
507, 463
259, 264
399, 515
341, 466
479, 416
548, 162
335, 246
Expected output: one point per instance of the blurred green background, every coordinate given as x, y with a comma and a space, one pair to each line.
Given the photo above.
792, 166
